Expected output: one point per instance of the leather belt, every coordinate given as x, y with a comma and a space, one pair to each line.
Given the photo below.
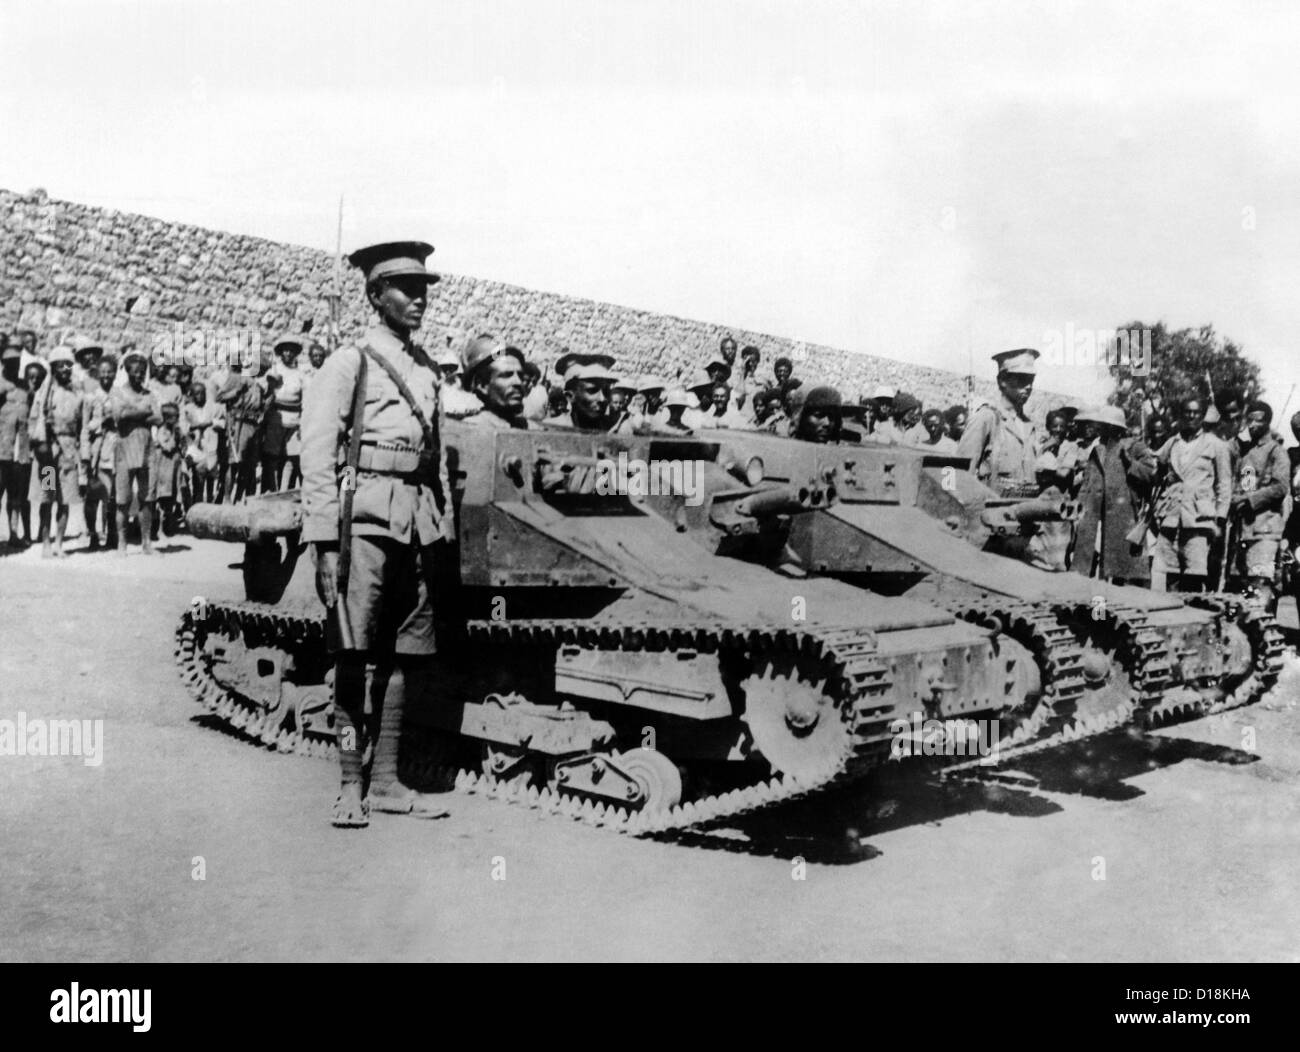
398, 461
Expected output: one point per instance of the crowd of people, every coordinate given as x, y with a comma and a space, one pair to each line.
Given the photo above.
131, 432
1190, 497
1181, 498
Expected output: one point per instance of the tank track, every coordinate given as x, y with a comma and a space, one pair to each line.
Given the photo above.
1145, 655
1059, 657
1141, 650
855, 676
1267, 647
851, 655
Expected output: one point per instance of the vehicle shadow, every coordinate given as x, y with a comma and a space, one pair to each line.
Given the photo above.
836, 827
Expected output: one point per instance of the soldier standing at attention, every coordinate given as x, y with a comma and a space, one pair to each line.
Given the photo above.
495, 376
1000, 440
376, 502
1259, 490
1196, 471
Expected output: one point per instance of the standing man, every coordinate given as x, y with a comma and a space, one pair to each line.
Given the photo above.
883, 428
135, 412
199, 417
374, 524
649, 400
88, 353
1196, 470
245, 400
280, 441
1259, 489
621, 392
748, 385
1293, 522
781, 370
536, 397
1001, 441
907, 418
935, 440
15, 451
456, 402
103, 438
1114, 472
60, 447
954, 422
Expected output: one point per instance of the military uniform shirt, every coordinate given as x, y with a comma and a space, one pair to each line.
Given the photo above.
1002, 445
382, 505
1261, 474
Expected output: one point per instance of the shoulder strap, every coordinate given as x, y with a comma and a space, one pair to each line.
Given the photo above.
430, 432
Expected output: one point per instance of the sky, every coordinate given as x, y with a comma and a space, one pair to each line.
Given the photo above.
929, 181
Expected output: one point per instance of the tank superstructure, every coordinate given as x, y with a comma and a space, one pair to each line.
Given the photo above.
906, 522
599, 652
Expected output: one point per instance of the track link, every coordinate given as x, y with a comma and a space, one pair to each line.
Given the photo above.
854, 676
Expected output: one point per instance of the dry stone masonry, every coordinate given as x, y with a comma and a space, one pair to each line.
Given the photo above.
121, 278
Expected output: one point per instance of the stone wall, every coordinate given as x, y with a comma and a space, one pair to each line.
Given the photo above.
120, 277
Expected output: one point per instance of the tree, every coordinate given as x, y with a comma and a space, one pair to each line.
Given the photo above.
1173, 366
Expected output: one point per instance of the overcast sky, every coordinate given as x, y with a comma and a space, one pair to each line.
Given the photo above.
927, 181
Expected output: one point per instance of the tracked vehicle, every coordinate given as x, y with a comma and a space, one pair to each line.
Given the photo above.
909, 523
625, 658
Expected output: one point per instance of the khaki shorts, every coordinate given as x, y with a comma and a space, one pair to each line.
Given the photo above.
1183, 551
388, 608
1257, 557
122, 485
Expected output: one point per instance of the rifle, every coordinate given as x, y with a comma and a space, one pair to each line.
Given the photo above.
1231, 542
1146, 516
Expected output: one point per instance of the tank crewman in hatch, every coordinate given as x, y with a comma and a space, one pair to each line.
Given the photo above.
376, 503
1000, 440
818, 419
494, 374
587, 381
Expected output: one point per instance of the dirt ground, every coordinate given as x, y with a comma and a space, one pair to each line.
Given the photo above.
1199, 837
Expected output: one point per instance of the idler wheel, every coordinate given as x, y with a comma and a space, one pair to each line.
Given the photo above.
658, 777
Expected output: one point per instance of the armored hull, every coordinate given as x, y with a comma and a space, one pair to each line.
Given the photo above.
605, 654
908, 523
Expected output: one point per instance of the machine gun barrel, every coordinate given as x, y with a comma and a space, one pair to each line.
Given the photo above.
782, 500
1029, 511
